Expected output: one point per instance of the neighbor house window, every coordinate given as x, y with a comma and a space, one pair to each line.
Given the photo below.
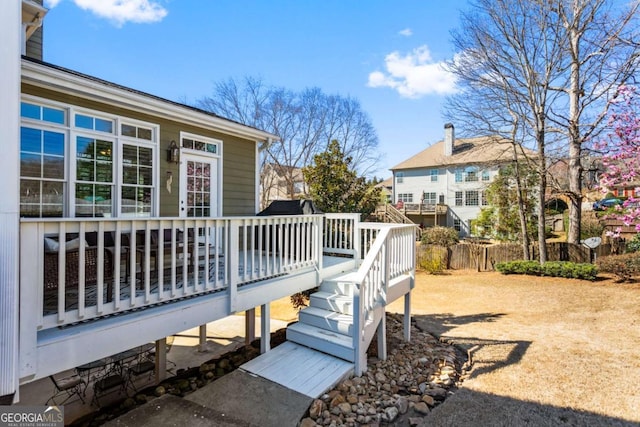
458, 175
457, 225
433, 173
429, 198
458, 198
470, 174
405, 197
399, 177
484, 200
485, 175
471, 198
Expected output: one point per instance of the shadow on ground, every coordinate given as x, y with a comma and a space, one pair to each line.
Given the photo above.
468, 407
471, 408
485, 355
440, 324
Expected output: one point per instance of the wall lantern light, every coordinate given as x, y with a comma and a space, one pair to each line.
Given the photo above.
173, 152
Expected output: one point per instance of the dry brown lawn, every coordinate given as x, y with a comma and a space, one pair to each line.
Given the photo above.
546, 351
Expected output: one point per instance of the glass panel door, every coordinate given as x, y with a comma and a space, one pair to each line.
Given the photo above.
198, 184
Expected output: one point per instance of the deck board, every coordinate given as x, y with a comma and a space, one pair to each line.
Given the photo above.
299, 368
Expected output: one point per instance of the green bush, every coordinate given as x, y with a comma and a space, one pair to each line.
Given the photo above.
432, 259
441, 236
624, 267
565, 269
634, 244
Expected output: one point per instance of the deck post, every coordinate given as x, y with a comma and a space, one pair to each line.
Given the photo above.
382, 337
203, 338
249, 326
407, 316
10, 48
161, 359
265, 328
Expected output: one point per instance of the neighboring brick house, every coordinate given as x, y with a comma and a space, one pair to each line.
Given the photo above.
452, 173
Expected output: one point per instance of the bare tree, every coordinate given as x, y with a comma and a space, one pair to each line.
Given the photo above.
306, 122
546, 71
509, 59
601, 54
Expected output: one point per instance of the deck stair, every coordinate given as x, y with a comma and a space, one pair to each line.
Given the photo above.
327, 324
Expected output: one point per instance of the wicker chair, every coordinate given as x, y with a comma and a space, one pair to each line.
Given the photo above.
72, 280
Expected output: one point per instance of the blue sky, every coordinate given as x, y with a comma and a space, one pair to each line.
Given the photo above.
385, 53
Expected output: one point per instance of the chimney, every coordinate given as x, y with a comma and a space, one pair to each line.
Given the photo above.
449, 139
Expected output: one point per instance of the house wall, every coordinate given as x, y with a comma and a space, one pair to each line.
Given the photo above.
34, 45
417, 181
238, 158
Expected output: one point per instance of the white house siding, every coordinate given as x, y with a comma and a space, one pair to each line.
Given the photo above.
417, 181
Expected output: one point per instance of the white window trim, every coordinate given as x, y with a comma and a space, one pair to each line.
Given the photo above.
218, 155
69, 210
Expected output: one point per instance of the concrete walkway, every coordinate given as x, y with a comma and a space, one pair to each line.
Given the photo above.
237, 399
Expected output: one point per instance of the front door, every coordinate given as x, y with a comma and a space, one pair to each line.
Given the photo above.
199, 186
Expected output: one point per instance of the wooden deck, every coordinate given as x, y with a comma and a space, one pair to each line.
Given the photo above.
300, 368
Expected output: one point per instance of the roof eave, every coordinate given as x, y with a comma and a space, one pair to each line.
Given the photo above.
112, 94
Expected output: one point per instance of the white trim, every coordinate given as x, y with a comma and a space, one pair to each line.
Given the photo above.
257, 176
215, 159
80, 86
116, 137
11, 36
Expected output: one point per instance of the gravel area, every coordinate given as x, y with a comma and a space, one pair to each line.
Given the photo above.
399, 391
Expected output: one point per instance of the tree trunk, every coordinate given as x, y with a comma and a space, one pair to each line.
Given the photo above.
542, 189
575, 143
521, 205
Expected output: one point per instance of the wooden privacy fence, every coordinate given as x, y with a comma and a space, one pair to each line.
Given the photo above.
480, 257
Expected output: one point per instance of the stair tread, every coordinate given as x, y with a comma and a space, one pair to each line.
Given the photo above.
322, 334
329, 314
331, 295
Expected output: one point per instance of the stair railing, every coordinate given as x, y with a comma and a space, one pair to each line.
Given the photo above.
368, 294
391, 254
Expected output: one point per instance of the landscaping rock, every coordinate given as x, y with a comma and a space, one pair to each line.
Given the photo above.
396, 390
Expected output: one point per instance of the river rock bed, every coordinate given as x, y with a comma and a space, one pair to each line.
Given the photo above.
400, 391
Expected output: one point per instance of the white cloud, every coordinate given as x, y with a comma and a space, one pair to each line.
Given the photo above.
414, 75
120, 11
407, 32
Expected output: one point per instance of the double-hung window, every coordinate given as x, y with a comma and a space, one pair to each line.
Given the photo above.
137, 190
433, 174
77, 162
429, 198
43, 142
405, 197
471, 198
458, 201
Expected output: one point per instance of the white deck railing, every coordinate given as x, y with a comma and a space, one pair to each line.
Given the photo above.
389, 253
117, 265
